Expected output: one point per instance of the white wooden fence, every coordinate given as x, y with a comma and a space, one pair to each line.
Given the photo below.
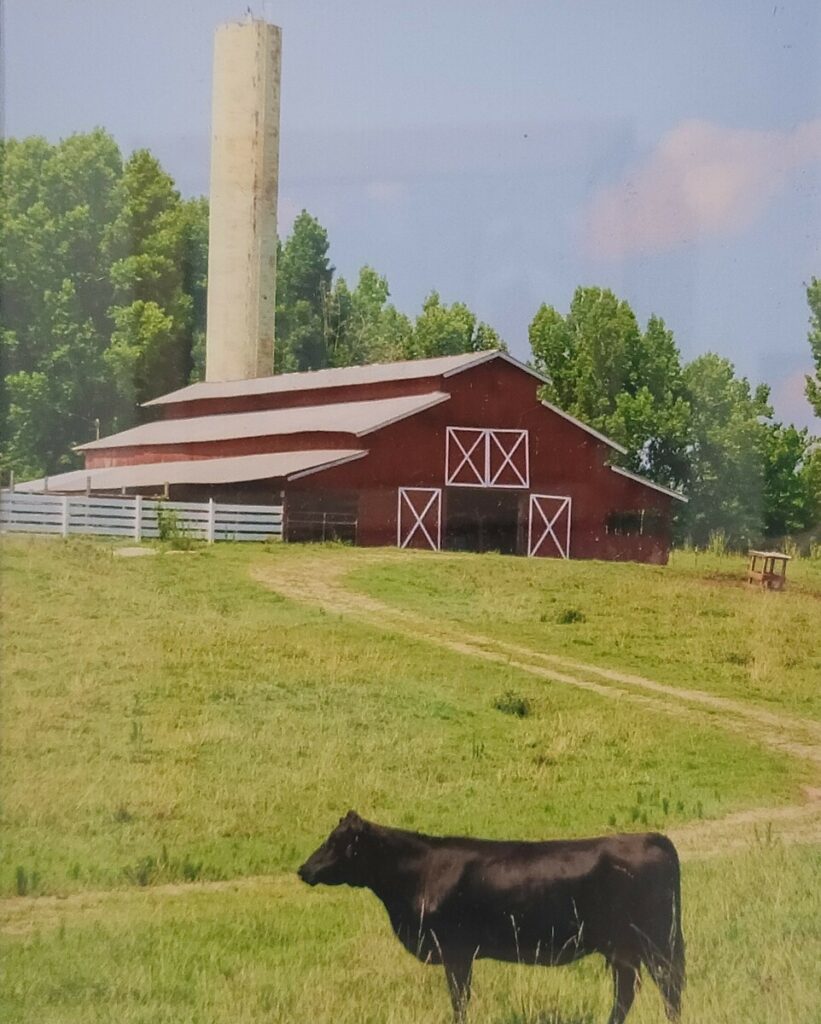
136, 517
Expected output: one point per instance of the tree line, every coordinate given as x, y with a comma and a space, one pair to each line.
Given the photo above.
104, 277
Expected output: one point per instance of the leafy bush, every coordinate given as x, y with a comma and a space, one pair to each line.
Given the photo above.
510, 703
171, 530
569, 615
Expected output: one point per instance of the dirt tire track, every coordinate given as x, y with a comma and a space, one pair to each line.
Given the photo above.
320, 583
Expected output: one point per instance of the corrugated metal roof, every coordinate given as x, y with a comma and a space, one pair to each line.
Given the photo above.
356, 418
408, 369
277, 465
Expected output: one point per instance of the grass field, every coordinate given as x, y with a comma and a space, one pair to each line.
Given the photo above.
693, 623
177, 737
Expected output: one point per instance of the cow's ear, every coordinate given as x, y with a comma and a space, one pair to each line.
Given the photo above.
354, 821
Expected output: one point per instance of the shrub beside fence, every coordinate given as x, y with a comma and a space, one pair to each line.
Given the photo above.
136, 517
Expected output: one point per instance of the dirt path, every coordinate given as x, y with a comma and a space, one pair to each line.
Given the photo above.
321, 583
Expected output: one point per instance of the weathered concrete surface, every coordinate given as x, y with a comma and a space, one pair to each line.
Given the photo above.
243, 201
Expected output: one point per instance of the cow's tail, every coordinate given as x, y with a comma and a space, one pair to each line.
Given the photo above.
664, 955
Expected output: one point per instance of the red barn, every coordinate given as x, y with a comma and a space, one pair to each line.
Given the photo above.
456, 452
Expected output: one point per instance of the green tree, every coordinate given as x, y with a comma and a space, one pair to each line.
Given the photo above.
56, 205
93, 254
792, 482
304, 275
50, 408
813, 385
148, 244
442, 330
728, 453
193, 241
627, 383
362, 327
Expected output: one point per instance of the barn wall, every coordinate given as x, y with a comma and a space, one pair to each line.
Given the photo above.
564, 460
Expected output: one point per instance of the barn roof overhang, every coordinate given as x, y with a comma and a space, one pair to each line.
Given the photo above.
650, 483
240, 469
312, 380
342, 376
355, 418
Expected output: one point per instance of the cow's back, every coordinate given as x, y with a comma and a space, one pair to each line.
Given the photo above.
550, 901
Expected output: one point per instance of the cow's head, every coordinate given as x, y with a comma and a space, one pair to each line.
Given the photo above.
339, 860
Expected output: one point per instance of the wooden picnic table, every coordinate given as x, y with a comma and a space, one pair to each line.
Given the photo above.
768, 569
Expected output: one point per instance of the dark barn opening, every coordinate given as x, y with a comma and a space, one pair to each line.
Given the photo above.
479, 519
320, 516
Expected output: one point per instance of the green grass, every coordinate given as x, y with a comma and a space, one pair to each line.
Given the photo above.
694, 623
277, 953
167, 719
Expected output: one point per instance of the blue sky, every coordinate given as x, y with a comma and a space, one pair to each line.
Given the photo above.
500, 152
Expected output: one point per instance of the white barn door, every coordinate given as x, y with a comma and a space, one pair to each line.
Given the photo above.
419, 518
548, 531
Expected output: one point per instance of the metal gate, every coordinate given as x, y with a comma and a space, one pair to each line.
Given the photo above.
419, 518
549, 526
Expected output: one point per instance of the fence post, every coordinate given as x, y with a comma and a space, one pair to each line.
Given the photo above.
211, 521
138, 517
64, 529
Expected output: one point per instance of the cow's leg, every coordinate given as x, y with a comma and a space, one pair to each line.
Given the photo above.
626, 983
458, 970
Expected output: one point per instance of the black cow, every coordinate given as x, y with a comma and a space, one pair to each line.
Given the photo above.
453, 900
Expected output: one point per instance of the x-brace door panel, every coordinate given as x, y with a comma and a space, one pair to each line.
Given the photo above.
419, 518
548, 532
485, 457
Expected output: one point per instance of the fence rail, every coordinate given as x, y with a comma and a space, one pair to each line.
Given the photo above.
137, 518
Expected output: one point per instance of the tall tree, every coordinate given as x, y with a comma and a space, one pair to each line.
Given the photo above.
193, 228
792, 480
153, 314
627, 383
56, 205
102, 292
362, 327
304, 275
728, 454
442, 330
813, 385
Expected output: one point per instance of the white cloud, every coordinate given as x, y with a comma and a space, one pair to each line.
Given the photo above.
701, 180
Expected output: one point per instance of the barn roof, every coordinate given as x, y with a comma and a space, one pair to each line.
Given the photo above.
649, 483
372, 373
343, 376
358, 418
279, 465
